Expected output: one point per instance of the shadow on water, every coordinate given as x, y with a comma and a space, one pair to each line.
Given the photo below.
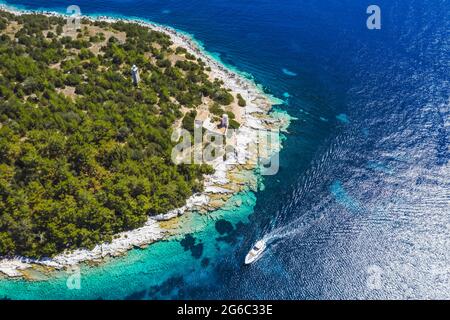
229, 234
189, 243
139, 295
169, 289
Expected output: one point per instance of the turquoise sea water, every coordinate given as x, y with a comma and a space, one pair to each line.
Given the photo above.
162, 267
364, 174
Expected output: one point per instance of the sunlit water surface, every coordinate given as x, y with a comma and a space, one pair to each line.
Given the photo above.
360, 206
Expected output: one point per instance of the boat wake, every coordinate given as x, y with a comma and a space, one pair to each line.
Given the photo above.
295, 228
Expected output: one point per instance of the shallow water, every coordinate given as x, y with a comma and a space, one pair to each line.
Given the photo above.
363, 189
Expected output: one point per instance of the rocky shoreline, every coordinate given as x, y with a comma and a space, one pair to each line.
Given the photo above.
230, 176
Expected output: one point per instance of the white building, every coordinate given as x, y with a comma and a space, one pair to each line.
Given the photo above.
225, 122
135, 75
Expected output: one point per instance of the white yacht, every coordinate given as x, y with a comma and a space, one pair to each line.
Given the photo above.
256, 252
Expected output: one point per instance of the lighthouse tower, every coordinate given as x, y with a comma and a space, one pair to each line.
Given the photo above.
135, 75
224, 122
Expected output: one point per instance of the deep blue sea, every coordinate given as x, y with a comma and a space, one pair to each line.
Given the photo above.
361, 205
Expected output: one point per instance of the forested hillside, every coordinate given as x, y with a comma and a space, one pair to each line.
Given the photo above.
85, 154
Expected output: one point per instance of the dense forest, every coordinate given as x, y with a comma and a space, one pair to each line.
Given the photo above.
85, 154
